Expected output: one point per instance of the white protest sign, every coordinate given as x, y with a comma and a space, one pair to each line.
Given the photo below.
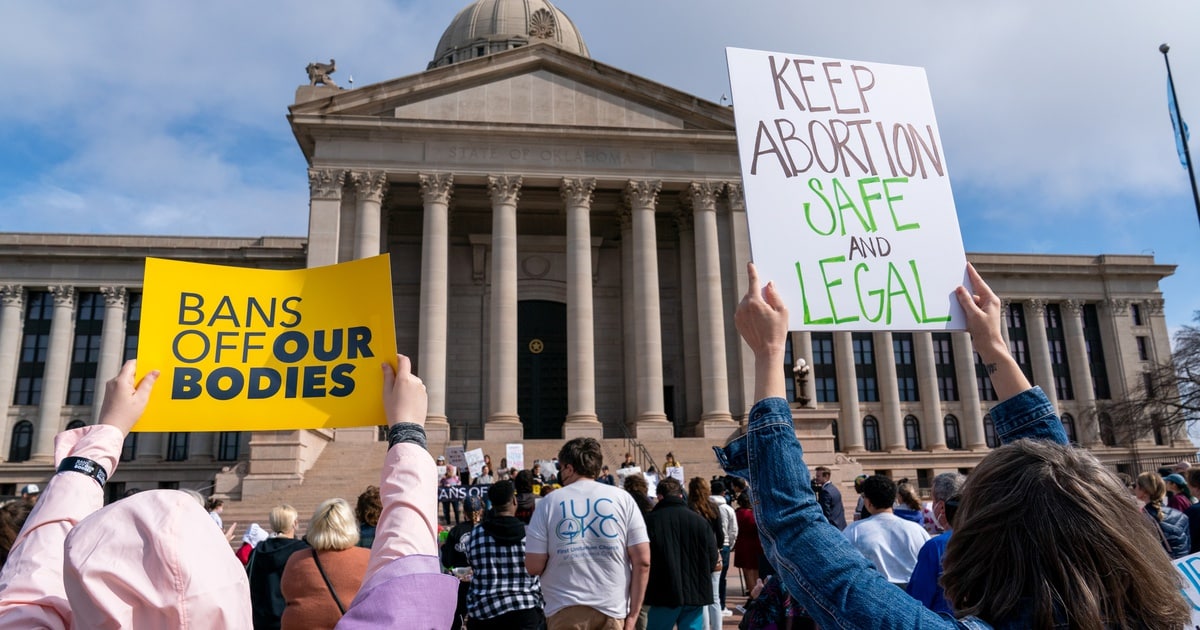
676, 472
622, 473
847, 192
456, 456
515, 455
1189, 569
475, 461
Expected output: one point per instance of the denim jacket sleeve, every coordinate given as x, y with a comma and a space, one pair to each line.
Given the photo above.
1028, 415
830, 579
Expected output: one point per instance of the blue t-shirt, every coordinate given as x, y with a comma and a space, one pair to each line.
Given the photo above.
924, 584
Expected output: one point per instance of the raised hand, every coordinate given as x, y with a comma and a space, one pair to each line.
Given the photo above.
124, 400
404, 395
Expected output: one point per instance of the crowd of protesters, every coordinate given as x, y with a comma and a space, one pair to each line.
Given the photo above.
1039, 535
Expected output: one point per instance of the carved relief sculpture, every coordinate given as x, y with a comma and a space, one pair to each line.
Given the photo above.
542, 24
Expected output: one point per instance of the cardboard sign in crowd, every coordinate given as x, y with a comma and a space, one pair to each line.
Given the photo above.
260, 350
847, 192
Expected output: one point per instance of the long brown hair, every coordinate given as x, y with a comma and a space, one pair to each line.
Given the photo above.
1045, 528
698, 493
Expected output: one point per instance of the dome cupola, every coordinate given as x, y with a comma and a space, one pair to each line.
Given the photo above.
491, 26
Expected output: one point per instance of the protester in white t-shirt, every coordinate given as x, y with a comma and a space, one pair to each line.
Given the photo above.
588, 543
888, 541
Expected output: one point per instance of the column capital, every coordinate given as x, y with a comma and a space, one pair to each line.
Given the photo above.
12, 295
370, 185
736, 195
1037, 305
1005, 303
624, 218
436, 187
64, 295
504, 188
1155, 307
326, 183
704, 196
1073, 307
642, 194
114, 296
1116, 306
578, 191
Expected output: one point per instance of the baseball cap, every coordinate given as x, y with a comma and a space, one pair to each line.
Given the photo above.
30, 488
441, 458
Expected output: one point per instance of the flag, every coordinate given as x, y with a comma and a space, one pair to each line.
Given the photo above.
1180, 127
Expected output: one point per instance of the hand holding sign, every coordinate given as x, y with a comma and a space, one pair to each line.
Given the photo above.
404, 395
124, 401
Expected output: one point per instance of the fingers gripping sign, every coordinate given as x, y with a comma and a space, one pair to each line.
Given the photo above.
125, 399
404, 395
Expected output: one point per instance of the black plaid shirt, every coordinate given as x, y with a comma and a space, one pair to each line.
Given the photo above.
499, 582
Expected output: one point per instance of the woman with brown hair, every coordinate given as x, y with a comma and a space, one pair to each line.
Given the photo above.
1173, 524
698, 492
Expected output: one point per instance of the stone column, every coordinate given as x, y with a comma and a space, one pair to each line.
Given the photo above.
642, 198
690, 323
714, 377
933, 434
740, 240
1005, 303
581, 347
889, 392
200, 446
1039, 350
324, 215
1081, 372
150, 447
843, 359
503, 421
971, 424
370, 187
803, 349
435, 290
1116, 338
12, 303
58, 364
628, 326
112, 344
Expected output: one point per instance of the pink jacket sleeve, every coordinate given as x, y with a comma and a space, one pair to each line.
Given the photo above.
31, 585
408, 524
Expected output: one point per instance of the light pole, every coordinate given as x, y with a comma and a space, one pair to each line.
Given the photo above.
1187, 154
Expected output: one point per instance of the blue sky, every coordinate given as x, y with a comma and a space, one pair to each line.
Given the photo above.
169, 118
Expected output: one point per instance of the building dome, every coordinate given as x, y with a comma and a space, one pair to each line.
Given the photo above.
491, 26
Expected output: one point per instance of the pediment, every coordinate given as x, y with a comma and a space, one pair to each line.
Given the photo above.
534, 85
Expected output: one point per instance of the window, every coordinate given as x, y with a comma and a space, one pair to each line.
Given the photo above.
983, 381
824, 371
22, 442
34, 343
129, 448
864, 367
480, 51
1018, 337
837, 440
229, 445
1148, 385
871, 434
1068, 422
906, 367
1095, 353
1060, 368
1108, 433
1135, 310
1160, 435
177, 446
953, 438
1143, 349
789, 376
89, 322
76, 424
133, 324
989, 432
943, 359
912, 433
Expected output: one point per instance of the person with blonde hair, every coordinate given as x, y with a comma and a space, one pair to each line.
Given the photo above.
266, 565
1173, 524
319, 584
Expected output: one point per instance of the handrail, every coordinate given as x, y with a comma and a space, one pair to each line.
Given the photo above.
641, 454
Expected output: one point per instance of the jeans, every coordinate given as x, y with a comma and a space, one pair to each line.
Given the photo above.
714, 609
724, 573
686, 617
446, 506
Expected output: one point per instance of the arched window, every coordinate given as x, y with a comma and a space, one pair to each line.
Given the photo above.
953, 437
912, 433
989, 432
22, 442
1068, 422
75, 424
871, 434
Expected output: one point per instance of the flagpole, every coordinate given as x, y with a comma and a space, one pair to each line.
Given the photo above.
1187, 155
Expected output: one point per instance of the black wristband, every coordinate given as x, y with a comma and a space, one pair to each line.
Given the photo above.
406, 432
86, 467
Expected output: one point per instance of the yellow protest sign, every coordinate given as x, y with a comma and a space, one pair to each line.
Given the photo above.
261, 350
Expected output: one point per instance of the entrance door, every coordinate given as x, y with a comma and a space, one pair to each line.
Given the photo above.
542, 367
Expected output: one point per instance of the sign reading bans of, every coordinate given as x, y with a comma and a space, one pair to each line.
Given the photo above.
260, 350
847, 193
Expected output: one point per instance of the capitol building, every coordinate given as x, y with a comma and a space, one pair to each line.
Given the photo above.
568, 243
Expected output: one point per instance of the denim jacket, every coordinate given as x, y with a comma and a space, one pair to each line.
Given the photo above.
830, 579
